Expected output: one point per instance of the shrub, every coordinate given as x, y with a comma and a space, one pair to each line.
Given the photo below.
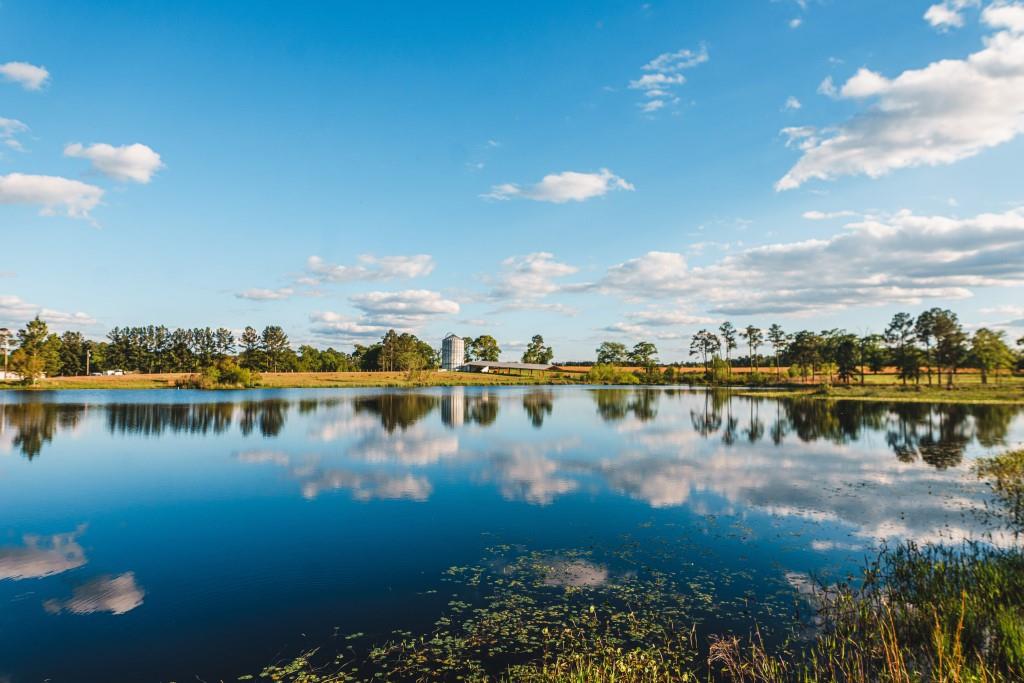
224, 374
609, 374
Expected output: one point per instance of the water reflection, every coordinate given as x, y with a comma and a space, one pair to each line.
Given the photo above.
41, 556
114, 594
934, 434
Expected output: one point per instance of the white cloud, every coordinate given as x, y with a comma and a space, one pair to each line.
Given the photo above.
525, 281
405, 311
558, 188
28, 76
827, 215
901, 259
257, 294
948, 14
795, 22
371, 268
792, 104
10, 129
135, 162
1005, 15
114, 594
14, 310
53, 193
947, 111
662, 75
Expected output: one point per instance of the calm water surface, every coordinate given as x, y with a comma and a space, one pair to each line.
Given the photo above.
165, 536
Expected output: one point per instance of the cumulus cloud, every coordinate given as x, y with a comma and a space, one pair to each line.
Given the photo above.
406, 311
792, 104
258, 294
371, 267
899, 259
53, 194
136, 163
10, 129
28, 76
663, 74
559, 188
525, 281
114, 594
15, 310
948, 14
947, 111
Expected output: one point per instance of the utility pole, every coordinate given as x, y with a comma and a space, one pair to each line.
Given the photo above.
88, 353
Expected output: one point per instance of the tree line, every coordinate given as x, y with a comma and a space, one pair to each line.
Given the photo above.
38, 352
932, 346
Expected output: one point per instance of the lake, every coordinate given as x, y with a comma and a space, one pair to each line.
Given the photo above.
181, 536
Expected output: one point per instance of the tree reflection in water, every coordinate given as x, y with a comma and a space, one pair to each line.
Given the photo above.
936, 434
538, 404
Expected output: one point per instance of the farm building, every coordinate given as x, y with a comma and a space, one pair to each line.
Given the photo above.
453, 352
505, 368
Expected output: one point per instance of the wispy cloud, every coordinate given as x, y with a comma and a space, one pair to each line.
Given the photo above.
663, 75
10, 129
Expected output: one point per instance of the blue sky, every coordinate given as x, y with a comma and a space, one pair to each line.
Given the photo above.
586, 171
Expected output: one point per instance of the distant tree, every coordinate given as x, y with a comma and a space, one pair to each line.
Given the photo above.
611, 353
728, 333
805, 351
924, 329
485, 347
274, 343
900, 337
777, 338
754, 338
38, 352
706, 345
224, 342
950, 344
250, 356
847, 355
644, 354
990, 352
537, 352
72, 354
872, 355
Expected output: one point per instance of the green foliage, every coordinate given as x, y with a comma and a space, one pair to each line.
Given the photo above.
222, 374
644, 354
990, 352
721, 371
610, 374
537, 352
611, 353
485, 347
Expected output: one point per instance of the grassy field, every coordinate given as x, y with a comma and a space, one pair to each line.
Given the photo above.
303, 380
881, 387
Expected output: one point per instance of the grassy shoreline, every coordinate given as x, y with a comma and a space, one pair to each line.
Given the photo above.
878, 388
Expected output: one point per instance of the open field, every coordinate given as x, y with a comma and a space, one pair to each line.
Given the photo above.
299, 380
880, 387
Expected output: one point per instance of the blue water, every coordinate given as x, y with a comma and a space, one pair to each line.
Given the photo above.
170, 535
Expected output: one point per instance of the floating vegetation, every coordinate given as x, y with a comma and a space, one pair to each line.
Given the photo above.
528, 615
914, 614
